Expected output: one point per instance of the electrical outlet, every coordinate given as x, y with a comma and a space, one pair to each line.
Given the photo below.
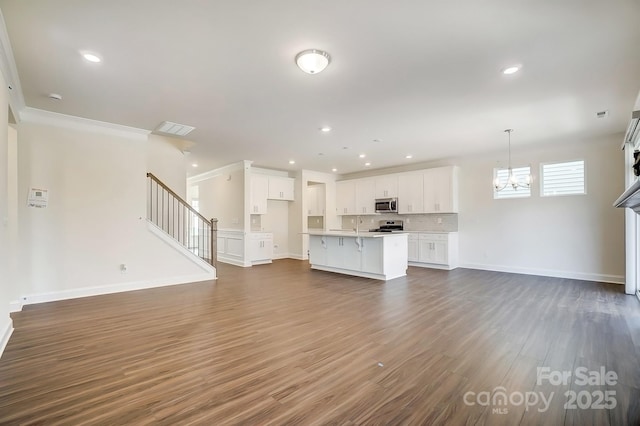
439, 221
408, 220
317, 220
353, 221
123, 268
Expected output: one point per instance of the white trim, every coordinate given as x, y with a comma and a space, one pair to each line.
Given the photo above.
432, 266
10, 72
232, 261
605, 278
297, 256
239, 165
15, 306
33, 115
113, 288
6, 335
206, 267
383, 277
280, 256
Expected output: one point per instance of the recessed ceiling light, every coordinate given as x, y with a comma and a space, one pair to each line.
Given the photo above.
512, 69
367, 164
312, 61
362, 155
325, 129
292, 162
334, 170
408, 156
91, 57
194, 165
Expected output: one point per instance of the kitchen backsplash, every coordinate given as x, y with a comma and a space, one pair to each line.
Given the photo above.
315, 222
412, 222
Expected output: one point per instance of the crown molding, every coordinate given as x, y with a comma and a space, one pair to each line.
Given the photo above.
39, 116
240, 165
10, 72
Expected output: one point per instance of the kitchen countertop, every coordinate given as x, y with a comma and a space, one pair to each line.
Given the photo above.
362, 234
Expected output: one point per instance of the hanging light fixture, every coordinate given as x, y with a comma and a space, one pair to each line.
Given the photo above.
512, 180
312, 61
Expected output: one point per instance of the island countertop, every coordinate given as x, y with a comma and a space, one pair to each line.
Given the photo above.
361, 234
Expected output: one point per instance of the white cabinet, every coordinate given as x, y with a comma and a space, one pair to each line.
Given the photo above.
411, 193
259, 190
315, 200
414, 253
343, 252
261, 248
434, 250
346, 197
378, 257
365, 196
386, 186
318, 250
441, 190
281, 188
372, 255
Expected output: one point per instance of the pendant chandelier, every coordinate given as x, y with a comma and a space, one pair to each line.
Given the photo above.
512, 180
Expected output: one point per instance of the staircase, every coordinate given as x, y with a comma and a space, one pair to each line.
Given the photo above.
169, 212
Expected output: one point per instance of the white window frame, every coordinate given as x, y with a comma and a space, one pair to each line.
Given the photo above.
510, 193
584, 178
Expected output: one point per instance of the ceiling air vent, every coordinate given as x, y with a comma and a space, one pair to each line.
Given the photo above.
633, 131
174, 128
602, 114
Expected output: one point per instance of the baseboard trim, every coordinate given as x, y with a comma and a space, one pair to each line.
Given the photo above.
113, 288
432, 266
296, 256
231, 261
6, 335
15, 306
613, 279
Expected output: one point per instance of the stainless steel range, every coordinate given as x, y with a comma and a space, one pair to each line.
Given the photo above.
389, 226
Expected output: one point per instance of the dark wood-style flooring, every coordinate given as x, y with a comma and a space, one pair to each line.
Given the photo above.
281, 344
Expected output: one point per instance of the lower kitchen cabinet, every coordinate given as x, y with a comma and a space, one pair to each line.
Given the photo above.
434, 250
261, 248
381, 257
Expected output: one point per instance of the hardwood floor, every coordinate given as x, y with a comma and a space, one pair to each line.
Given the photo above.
281, 344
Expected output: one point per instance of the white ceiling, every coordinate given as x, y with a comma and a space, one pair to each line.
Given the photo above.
421, 76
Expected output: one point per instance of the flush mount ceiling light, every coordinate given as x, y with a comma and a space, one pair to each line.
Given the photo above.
512, 180
408, 157
312, 61
334, 170
362, 155
325, 129
367, 164
292, 162
512, 69
91, 57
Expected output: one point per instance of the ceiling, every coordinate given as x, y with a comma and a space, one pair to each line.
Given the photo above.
406, 77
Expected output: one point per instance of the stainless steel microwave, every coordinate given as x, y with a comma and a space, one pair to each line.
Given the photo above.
386, 205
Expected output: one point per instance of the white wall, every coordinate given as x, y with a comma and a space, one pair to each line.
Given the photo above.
578, 236
167, 162
221, 195
5, 278
95, 220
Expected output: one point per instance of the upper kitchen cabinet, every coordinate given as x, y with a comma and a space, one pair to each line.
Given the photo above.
411, 193
280, 188
346, 197
365, 196
386, 186
259, 190
315, 200
441, 190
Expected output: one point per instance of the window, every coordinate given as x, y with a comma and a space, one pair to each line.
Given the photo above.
562, 179
521, 174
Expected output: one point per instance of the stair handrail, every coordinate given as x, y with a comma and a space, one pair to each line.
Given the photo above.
212, 223
179, 198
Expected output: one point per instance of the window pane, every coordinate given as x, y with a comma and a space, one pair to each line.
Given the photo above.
521, 174
563, 178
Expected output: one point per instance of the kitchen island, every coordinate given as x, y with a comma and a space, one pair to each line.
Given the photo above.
377, 255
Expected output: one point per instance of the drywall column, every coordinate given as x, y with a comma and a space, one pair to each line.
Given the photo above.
630, 230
